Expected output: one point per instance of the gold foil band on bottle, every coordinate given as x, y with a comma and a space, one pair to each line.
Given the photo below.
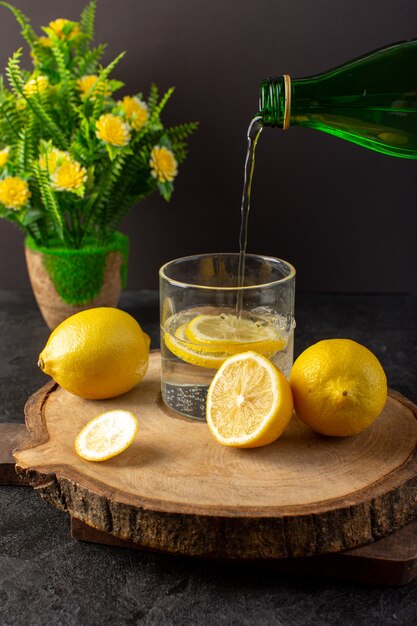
287, 109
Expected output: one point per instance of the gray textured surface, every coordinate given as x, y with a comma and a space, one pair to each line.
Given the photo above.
48, 579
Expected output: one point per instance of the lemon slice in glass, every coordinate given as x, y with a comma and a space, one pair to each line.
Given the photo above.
249, 402
106, 435
203, 356
233, 335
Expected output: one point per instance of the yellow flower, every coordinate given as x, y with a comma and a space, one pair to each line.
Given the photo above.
69, 176
14, 192
54, 158
4, 155
163, 164
111, 129
36, 85
45, 42
57, 27
86, 82
136, 111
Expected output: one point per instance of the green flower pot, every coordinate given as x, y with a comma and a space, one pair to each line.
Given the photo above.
66, 281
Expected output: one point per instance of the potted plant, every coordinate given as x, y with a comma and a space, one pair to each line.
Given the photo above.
74, 160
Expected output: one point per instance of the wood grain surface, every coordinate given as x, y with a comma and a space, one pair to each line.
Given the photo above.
175, 489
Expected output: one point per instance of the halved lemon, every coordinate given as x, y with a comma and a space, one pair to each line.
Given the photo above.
249, 402
232, 334
193, 354
106, 435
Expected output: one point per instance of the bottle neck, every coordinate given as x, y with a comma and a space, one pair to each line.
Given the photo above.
275, 101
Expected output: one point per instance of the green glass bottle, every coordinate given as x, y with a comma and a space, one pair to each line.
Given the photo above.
371, 101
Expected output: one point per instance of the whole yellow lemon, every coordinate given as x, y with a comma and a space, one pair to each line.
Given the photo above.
339, 387
96, 354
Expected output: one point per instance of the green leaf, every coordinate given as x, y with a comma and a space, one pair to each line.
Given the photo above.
115, 84
180, 150
8, 214
45, 146
80, 191
97, 214
49, 200
27, 31
69, 27
30, 216
17, 83
159, 107
89, 185
103, 75
153, 97
165, 142
3, 90
11, 122
14, 73
87, 20
88, 64
43, 59
66, 76
181, 131
85, 127
112, 151
165, 189
25, 152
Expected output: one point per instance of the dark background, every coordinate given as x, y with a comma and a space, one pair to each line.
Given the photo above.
344, 216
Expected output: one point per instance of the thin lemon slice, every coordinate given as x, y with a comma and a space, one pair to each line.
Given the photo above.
106, 435
181, 334
234, 335
249, 402
180, 346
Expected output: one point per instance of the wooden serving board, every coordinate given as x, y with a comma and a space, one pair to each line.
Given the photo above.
177, 490
391, 560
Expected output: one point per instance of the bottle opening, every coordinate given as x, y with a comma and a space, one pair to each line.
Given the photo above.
272, 102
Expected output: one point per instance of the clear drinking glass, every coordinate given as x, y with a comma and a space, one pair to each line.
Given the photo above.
201, 326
